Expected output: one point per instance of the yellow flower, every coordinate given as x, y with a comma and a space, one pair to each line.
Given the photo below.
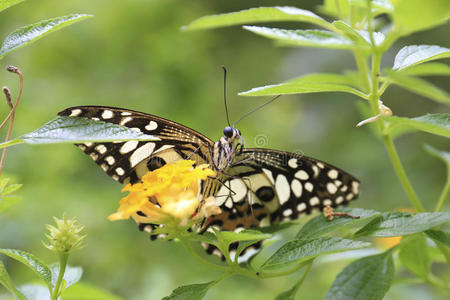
387, 242
170, 191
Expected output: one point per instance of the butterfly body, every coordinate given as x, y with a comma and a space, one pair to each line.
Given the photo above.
253, 186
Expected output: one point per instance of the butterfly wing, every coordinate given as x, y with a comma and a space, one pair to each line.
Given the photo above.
261, 187
127, 162
266, 186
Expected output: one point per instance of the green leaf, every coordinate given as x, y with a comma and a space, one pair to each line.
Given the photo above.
6, 199
313, 83
438, 124
351, 33
368, 278
270, 230
4, 4
300, 250
419, 86
276, 227
397, 223
288, 295
242, 246
78, 130
35, 292
6, 281
417, 54
3, 183
32, 262
245, 238
85, 291
206, 237
257, 15
429, 69
439, 236
8, 190
31, 33
361, 37
190, 292
414, 255
71, 275
229, 237
415, 15
309, 38
320, 225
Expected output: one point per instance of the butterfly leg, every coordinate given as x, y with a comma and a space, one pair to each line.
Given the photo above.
230, 195
243, 161
231, 192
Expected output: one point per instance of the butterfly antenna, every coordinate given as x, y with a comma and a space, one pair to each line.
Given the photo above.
258, 108
225, 92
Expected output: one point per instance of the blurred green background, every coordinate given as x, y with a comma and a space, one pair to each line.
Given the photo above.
133, 54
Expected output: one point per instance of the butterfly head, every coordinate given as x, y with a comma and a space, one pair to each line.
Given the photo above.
226, 147
233, 137
231, 133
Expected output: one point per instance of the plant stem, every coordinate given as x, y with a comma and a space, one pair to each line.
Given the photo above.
398, 167
300, 282
445, 251
62, 268
444, 193
225, 275
433, 280
383, 87
201, 259
8, 135
386, 137
285, 272
11, 113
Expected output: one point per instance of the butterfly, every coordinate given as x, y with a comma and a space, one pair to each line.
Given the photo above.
255, 187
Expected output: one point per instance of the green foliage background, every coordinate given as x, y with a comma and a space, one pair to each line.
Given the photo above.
133, 54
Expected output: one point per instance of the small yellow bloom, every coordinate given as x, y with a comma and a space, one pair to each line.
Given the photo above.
65, 236
388, 242
170, 191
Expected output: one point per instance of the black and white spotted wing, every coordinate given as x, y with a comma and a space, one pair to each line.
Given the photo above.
279, 186
260, 187
127, 162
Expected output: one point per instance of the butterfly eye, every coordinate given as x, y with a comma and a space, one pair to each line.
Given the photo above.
228, 132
